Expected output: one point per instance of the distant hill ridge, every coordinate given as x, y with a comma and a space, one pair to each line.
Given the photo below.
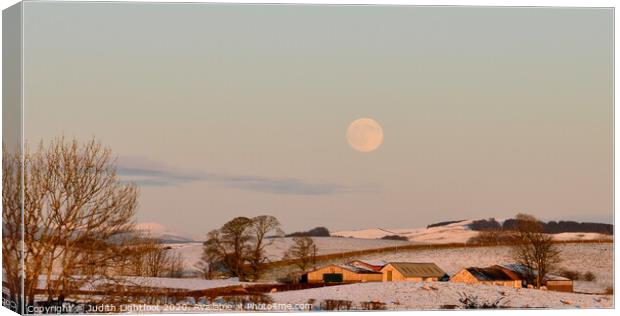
162, 234
461, 231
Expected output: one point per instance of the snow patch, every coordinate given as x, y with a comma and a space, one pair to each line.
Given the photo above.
438, 295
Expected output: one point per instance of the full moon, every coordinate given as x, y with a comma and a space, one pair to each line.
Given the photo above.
364, 135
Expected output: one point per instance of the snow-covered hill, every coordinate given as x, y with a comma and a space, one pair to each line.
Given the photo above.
451, 233
160, 232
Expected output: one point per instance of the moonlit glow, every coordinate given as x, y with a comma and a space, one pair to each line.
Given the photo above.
365, 135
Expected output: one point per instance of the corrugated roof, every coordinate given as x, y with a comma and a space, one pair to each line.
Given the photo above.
555, 277
521, 269
524, 271
490, 274
376, 263
358, 269
352, 268
418, 269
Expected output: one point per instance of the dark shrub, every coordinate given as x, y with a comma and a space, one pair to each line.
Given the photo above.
485, 224
373, 306
474, 302
443, 223
573, 275
249, 298
290, 278
589, 276
315, 232
395, 237
335, 305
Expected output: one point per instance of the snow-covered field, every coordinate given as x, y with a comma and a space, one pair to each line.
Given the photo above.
191, 252
184, 284
582, 257
438, 295
451, 233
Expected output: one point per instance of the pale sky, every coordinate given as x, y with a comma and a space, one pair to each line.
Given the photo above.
220, 110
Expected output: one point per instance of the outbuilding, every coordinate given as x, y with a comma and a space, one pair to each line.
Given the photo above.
411, 271
343, 273
491, 276
558, 283
551, 281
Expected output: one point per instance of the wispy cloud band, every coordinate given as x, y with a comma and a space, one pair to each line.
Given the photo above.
146, 172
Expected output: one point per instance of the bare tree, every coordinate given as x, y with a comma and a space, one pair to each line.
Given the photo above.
155, 259
236, 234
230, 244
239, 246
303, 251
212, 252
147, 257
74, 204
11, 226
260, 227
209, 259
534, 249
175, 266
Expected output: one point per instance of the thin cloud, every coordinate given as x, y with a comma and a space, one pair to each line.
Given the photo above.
145, 172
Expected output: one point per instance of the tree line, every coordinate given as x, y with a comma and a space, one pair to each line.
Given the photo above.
551, 227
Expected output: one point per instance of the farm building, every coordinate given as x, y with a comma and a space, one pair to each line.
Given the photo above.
557, 283
375, 265
343, 273
551, 281
491, 275
412, 271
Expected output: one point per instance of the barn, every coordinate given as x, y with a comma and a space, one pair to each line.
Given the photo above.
491, 276
343, 273
411, 271
551, 281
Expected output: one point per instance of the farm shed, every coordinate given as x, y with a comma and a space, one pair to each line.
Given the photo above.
411, 271
557, 283
491, 276
375, 265
343, 273
551, 281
